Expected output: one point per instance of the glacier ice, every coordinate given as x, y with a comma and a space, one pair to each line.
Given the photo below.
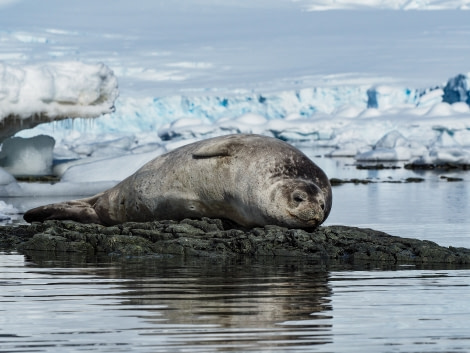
456, 90
383, 122
202, 115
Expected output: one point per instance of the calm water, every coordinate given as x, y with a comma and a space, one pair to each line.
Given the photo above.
171, 304
195, 305
435, 209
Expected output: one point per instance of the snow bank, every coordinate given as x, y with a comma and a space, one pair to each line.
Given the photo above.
9, 187
110, 169
84, 176
30, 95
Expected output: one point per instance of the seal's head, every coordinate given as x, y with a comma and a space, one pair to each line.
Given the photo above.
299, 203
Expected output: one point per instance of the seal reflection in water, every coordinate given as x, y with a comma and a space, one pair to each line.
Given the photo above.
252, 180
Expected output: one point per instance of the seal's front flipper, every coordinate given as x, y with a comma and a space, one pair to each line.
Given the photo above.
78, 210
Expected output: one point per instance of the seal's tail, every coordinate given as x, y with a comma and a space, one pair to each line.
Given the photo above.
77, 210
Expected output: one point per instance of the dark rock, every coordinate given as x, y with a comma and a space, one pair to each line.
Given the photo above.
379, 166
451, 179
336, 181
217, 239
443, 166
414, 180
38, 178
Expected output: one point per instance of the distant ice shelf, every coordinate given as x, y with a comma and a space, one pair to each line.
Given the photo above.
170, 115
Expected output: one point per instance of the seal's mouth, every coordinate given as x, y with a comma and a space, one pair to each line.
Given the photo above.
312, 221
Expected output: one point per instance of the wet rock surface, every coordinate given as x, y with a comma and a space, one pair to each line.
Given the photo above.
218, 239
440, 167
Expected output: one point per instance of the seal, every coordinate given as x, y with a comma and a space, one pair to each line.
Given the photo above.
252, 180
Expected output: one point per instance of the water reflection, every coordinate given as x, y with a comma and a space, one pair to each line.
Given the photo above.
170, 302
174, 304
236, 303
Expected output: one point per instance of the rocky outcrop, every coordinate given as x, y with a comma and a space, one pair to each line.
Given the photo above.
218, 239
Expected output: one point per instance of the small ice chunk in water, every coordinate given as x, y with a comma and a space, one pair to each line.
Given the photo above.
6, 210
27, 156
393, 146
8, 184
6, 178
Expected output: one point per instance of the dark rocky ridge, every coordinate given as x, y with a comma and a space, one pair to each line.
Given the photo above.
214, 238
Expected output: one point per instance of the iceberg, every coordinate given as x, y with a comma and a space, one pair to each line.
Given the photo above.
392, 147
444, 150
35, 94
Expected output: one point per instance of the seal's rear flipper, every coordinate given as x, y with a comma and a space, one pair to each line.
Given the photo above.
77, 210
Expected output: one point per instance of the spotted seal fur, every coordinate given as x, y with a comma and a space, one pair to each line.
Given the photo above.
249, 179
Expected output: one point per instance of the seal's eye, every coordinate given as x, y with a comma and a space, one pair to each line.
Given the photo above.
299, 197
